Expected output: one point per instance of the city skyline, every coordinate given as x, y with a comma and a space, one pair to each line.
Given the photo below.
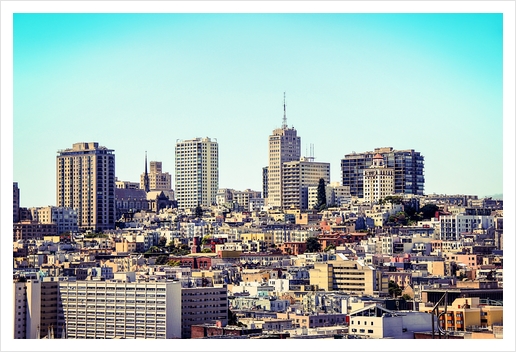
298, 57
139, 82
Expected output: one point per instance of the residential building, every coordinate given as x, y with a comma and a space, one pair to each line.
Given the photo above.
343, 274
197, 172
378, 181
16, 202
203, 305
32, 230
284, 146
27, 308
297, 176
156, 178
452, 226
64, 218
86, 183
408, 168
265, 182
109, 309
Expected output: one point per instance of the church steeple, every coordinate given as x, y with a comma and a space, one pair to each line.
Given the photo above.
146, 176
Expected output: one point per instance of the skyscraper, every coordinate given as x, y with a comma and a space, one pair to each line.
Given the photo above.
86, 182
197, 172
408, 168
284, 146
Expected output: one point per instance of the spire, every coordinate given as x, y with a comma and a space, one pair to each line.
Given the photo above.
284, 112
146, 176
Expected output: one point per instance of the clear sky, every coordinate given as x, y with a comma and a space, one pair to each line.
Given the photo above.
353, 82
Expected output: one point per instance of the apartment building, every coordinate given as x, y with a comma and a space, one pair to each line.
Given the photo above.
27, 309
452, 226
109, 309
346, 275
284, 146
378, 181
197, 172
408, 168
32, 230
202, 305
86, 183
16, 202
156, 178
65, 218
298, 176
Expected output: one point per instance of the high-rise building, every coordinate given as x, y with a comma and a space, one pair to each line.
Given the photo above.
378, 180
86, 183
298, 176
197, 172
284, 146
156, 179
16, 202
408, 168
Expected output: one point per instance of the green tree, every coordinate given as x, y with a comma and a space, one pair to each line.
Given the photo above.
173, 262
205, 239
312, 245
206, 250
329, 247
406, 297
394, 289
162, 241
321, 195
198, 211
428, 211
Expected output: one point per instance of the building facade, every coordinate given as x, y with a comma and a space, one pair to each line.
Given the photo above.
408, 168
16, 202
106, 310
64, 218
297, 176
86, 183
284, 146
378, 180
202, 305
197, 172
157, 179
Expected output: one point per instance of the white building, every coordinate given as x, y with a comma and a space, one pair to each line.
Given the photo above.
197, 172
102, 309
378, 180
452, 226
284, 146
65, 218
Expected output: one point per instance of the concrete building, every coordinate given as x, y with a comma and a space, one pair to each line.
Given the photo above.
452, 226
27, 309
64, 218
103, 310
197, 172
284, 146
408, 168
345, 275
16, 202
32, 230
86, 183
157, 179
203, 305
297, 176
378, 180
126, 184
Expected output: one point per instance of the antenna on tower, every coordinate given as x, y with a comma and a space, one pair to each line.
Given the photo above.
284, 111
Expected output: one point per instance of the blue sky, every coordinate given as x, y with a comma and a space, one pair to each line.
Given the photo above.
353, 82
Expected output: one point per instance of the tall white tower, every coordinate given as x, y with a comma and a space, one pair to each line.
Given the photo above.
197, 172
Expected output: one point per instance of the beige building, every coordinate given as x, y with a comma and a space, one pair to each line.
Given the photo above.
343, 274
158, 180
86, 183
27, 309
197, 172
378, 180
64, 218
284, 146
298, 176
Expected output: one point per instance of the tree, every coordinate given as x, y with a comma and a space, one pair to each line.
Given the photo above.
313, 245
162, 241
321, 195
329, 247
394, 289
206, 250
198, 211
406, 297
205, 239
428, 211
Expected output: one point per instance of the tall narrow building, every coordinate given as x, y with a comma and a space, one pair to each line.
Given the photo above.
197, 172
86, 183
378, 180
284, 146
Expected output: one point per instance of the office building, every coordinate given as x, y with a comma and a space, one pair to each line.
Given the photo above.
86, 183
408, 168
201, 305
284, 146
197, 172
297, 176
378, 180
